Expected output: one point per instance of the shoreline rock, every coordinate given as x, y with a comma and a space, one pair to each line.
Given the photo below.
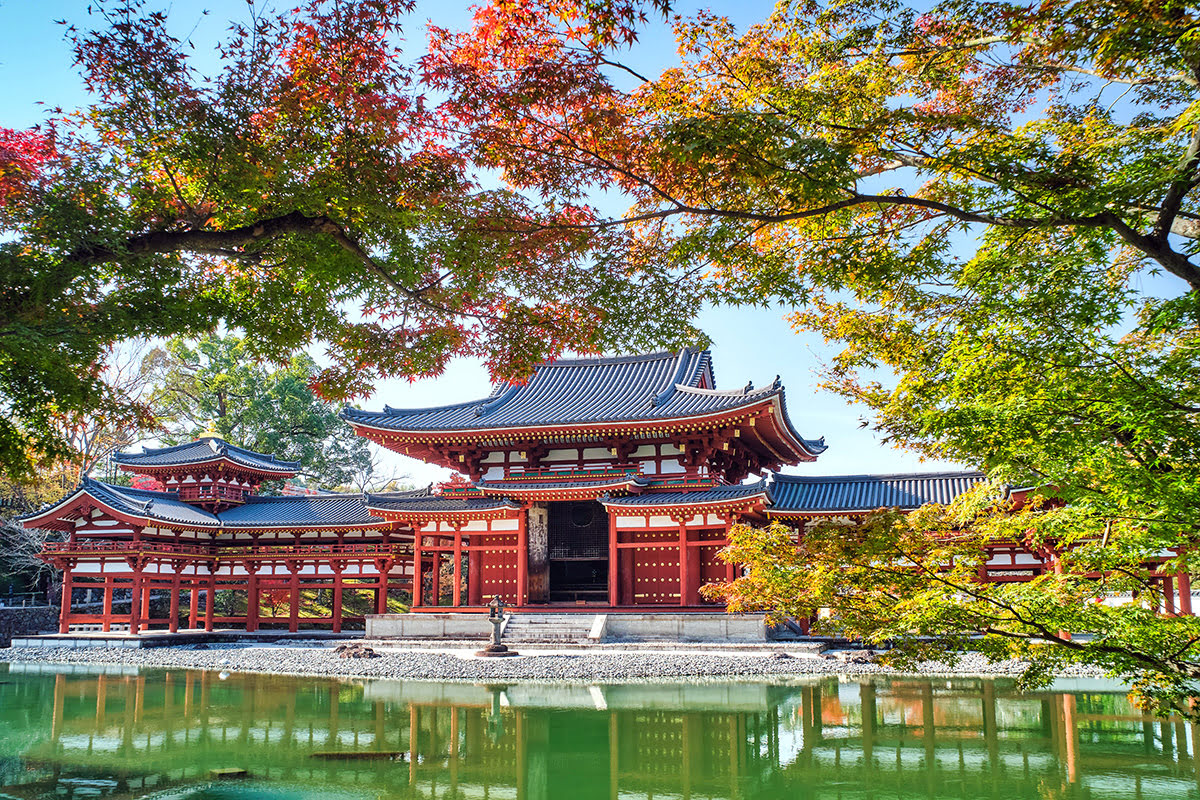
535, 666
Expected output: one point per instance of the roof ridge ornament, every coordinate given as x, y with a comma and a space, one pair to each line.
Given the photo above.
495, 401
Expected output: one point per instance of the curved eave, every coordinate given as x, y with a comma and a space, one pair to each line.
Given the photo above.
787, 446
184, 466
787, 437
54, 518
56, 513
746, 503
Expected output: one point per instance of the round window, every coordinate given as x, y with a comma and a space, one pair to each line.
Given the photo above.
582, 515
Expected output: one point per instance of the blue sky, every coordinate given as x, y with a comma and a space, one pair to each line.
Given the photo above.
748, 344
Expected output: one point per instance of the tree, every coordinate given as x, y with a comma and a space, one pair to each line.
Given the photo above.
214, 381
991, 207
277, 600
910, 583
127, 373
307, 191
21, 566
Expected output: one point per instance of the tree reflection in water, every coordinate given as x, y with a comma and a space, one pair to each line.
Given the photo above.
131, 734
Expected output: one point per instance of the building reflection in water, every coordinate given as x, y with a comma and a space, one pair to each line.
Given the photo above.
129, 734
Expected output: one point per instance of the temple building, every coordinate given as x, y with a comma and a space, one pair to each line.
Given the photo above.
602, 483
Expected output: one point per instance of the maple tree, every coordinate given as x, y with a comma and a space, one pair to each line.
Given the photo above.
277, 600
990, 207
307, 192
212, 382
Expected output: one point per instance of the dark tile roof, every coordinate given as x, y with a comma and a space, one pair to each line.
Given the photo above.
824, 493
204, 449
425, 500
658, 386
160, 506
167, 509
311, 510
716, 494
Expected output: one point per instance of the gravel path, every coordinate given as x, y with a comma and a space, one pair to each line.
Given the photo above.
543, 664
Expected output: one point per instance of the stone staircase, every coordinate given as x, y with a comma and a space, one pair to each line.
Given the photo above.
523, 627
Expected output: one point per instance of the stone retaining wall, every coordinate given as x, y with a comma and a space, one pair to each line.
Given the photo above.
26, 621
428, 626
686, 627
623, 626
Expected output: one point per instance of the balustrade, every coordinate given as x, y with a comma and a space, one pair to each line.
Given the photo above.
84, 546
212, 492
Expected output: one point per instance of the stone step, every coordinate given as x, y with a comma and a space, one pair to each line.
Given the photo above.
548, 627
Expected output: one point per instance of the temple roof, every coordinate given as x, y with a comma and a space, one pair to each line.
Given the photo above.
164, 506
329, 510
204, 450
311, 510
654, 387
716, 494
796, 494
786, 495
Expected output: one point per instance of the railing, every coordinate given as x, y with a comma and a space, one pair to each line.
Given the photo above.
23, 600
590, 473
84, 546
317, 550
212, 493
125, 546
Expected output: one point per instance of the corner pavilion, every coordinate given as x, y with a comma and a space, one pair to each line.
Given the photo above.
602, 483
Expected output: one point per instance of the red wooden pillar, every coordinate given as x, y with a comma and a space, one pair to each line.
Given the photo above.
135, 602
384, 566
730, 567
145, 614
1185, 594
337, 598
685, 572
457, 565
294, 599
1058, 570
211, 602
418, 557
173, 620
437, 575
523, 557
475, 577
64, 614
251, 596
106, 621
613, 562
193, 603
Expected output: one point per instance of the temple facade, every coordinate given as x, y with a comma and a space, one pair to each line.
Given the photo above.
602, 483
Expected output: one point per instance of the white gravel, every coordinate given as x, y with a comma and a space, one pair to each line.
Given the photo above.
535, 664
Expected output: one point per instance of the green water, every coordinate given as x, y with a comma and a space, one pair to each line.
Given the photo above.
121, 733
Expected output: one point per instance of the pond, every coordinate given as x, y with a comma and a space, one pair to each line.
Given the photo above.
118, 732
